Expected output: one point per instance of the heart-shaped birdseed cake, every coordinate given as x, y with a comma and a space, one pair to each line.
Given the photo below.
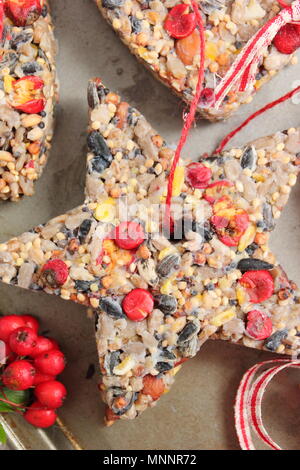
164, 36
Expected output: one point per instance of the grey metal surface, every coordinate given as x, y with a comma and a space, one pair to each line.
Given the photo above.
198, 410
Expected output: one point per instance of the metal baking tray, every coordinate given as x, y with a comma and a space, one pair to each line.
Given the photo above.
199, 408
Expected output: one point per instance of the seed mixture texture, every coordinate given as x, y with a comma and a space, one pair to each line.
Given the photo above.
164, 37
159, 296
28, 90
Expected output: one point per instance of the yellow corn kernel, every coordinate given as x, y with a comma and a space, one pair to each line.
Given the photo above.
174, 371
247, 238
166, 288
211, 51
105, 211
125, 366
178, 181
223, 317
8, 83
259, 178
240, 295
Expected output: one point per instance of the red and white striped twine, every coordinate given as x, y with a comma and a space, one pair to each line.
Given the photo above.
247, 409
243, 71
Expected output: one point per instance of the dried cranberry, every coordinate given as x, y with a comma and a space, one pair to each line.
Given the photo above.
27, 94
179, 23
198, 175
129, 235
55, 273
138, 304
207, 97
259, 325
23, 12
287, 40
259, 285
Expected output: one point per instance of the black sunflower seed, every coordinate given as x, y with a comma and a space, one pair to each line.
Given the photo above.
253, 264
97, 145
136, 25
82, 286
167, 265
167, 355
187, 333
30, 68
248, 159
167, 304
268, 217
275, 340
163, 366
111, 307
111, 4
92, 95
84, 229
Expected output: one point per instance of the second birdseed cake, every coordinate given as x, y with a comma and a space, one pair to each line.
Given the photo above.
150, 29
27, 94
160, 294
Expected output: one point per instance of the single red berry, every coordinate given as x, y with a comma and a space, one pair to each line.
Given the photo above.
259, 285
207, 97
8, 324
129, 235
198, 175
55, 273
19, 375
31, 322
287, 40
52, 362
179, 22
51, 394
23, 12
42, 345
40, 416
40, 378
23, 341
138, 304
259, 325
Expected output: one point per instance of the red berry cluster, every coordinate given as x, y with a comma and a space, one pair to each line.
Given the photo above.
32, 362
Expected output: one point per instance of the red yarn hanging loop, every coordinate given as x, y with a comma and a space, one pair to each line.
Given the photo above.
242, 73
271, 105
190, 116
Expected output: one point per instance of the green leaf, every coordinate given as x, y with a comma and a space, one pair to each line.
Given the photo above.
14, 397
19, 397
5, 408
3, 437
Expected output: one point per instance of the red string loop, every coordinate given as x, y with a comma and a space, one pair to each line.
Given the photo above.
271, 105
190, 116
